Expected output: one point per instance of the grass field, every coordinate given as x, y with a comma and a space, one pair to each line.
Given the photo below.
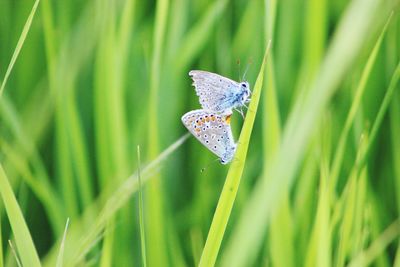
96, 168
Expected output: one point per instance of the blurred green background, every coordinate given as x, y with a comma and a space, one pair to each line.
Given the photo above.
94, 79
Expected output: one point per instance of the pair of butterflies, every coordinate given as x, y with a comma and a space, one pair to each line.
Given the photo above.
211, 125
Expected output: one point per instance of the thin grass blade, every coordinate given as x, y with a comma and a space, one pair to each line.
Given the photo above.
1, 246
20, 43
381, 113
60, 258
23, 239
250, 230
80, 239
366, 257
338, 159
141, 218
15, 254
155, 213
231, 186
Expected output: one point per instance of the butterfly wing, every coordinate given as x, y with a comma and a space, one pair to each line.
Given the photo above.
212, 130
215, 92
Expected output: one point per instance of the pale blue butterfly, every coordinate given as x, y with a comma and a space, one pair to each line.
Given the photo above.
213, 130
218, 93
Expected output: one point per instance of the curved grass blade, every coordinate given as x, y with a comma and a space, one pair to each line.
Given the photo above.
248, 234
155, 213
199, 34
229, 191
366, 257
23, 239
339, 153
21, 41
141, 220
60, 257
1, 247
381, 113
15, 254
80, 239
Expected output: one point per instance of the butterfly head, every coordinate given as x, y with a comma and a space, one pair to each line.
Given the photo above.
245, 88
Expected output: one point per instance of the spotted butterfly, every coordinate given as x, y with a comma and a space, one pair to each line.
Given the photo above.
218, 93
213, 130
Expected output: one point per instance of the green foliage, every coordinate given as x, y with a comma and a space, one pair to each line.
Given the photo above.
84, 83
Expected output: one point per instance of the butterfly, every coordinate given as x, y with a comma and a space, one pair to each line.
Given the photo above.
218, 93
213, 130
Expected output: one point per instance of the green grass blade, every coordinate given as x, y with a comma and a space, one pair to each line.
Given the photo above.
141, 220
20, 43
271, 115
319, 251
60, 258
231, 186
198, 35
381, 113
250, 230
23, 239
40, 187
155, 212
1, 246
395, 133
397, 257
79, 153
15, 254
281, 229
366, 257
339, 154
80, 239
108, 243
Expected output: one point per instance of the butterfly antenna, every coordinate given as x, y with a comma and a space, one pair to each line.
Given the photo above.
247, 68
208, 165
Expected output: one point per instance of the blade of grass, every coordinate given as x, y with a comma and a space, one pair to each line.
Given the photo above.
249, 232
1, 245
23, 239
20, 43
141, 221
338, 159
348, 201
281, 233
108, 243
366, 257
271, 116
157, 256
304, 202
198, 35
320, 242
40, 187
397, 257
175, 246
395, 133
14, 252
60, 258
381, 113
231, 186
315, 34
81, 239
319, 251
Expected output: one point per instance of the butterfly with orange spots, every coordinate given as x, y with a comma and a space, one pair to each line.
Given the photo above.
213, 130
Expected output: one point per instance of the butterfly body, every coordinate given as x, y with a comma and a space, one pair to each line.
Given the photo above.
218, 93
213, 131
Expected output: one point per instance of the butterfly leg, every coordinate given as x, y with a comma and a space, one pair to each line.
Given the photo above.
240, 112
